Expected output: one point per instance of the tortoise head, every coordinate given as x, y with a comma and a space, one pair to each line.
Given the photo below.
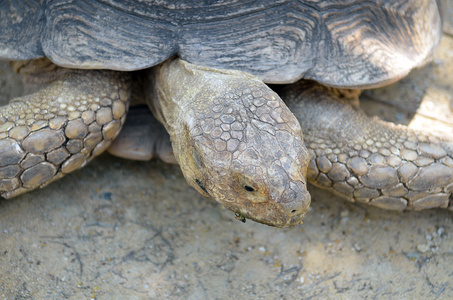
248, 154
235, 141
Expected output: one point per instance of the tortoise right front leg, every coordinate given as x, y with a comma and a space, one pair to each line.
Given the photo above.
59, 128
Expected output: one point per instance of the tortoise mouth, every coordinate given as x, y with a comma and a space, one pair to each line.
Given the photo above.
274, 221
274, 214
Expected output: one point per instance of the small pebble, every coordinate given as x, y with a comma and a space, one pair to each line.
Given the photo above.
413, 255
422, 248
440, 231
344, 213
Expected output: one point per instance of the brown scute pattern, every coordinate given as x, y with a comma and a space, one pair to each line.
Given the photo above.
226, 125
60, 128
378, 163
337, 42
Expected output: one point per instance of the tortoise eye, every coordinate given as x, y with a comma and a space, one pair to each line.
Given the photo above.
249, 188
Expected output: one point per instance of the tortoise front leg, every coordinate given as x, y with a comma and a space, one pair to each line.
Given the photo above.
143, 138
73, 117
368, 160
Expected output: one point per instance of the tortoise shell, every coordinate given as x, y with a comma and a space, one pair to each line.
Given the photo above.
338, 43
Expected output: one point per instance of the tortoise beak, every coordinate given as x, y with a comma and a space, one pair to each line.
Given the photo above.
288, 210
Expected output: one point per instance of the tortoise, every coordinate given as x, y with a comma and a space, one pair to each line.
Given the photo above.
204, 66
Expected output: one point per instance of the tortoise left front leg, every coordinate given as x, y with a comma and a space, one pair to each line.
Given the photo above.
73, 117
366, 160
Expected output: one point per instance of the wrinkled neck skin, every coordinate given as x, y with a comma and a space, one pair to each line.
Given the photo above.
235, 141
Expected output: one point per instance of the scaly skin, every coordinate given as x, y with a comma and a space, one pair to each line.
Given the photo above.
58, 129
367, 160
235, 140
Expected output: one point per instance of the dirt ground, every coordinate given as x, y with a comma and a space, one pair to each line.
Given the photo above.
121, 229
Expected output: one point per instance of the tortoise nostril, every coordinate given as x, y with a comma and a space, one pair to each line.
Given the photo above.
295, 211
296, 206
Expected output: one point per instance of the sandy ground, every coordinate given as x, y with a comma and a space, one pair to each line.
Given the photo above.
120, 229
